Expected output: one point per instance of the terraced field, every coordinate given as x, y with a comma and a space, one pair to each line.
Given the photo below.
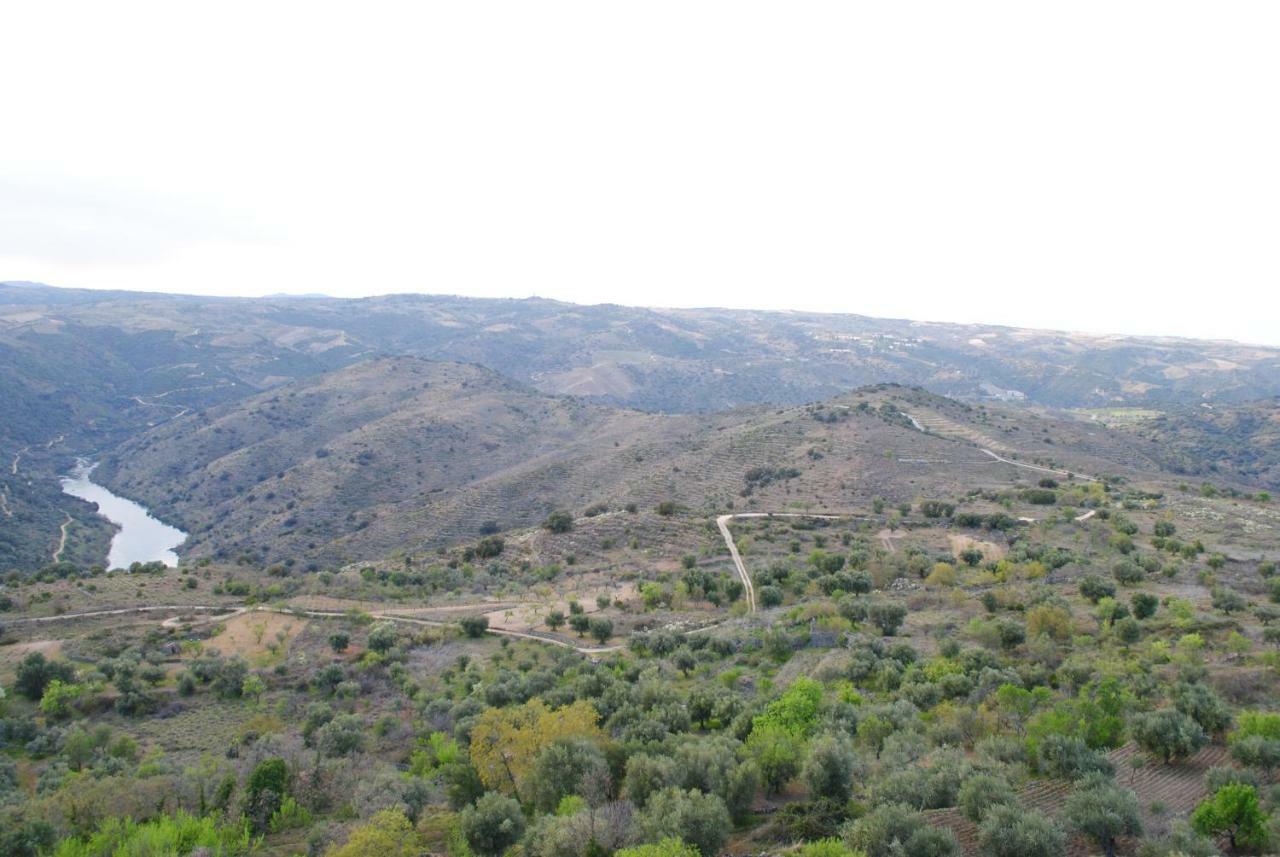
1176, 789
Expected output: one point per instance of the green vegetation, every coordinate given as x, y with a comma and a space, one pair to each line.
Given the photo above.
977, 669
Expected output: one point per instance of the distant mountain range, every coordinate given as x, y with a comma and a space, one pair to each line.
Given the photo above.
192, 401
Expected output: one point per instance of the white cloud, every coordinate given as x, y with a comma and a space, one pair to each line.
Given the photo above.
1094, 166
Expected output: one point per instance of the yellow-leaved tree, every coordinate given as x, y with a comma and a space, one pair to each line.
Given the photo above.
505, 741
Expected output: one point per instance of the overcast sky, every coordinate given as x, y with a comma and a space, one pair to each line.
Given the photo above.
1103, 166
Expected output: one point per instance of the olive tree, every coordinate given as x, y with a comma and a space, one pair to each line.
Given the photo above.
1102, 810
699, 819
492, 824
1011, 831
1168, 733
829, 770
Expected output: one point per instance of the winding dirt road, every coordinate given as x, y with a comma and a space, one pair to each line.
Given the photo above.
182, 610
722, 523
62, 538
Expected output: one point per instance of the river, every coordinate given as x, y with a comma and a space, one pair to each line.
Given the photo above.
140, 537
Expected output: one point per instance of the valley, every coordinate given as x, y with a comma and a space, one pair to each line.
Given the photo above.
815, 617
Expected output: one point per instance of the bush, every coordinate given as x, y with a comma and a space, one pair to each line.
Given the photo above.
558, 522
669, 847
1144, 605
1095, 588
474, 626
770, 596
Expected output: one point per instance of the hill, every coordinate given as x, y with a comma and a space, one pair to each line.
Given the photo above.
1232, 440
83, 372
412, 455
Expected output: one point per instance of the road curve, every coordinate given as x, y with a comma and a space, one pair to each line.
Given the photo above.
722, 523
1038, 468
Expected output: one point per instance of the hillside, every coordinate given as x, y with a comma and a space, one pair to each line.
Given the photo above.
1237, 441
412, 455
666, 360
82, 372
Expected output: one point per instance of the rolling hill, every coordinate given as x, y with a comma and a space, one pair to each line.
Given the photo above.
413, 455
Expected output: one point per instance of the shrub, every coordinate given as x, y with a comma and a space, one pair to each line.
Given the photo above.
558, 522
1095, 588
669, 847
1144, 605
474, 626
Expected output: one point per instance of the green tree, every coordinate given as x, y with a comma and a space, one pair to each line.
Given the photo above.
383, 637
829, 770
492, 824
601, 629
1256, 751
647, 774
887, 616
1144, 605
339, 641
1234, 811
555, 620
1094, 588
1202, 705
1012, 831
474, 626
341, 736
778, 755
567, 766
884, 831
696, 818
35, 672
1168, 733
1102, 810
982, 792
580, 623
60, 699
932, 842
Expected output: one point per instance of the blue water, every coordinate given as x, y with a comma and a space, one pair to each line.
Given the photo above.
140, 537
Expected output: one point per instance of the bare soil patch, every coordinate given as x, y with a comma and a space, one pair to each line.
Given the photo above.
253, 635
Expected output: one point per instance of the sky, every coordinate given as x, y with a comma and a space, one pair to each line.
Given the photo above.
1096, 166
